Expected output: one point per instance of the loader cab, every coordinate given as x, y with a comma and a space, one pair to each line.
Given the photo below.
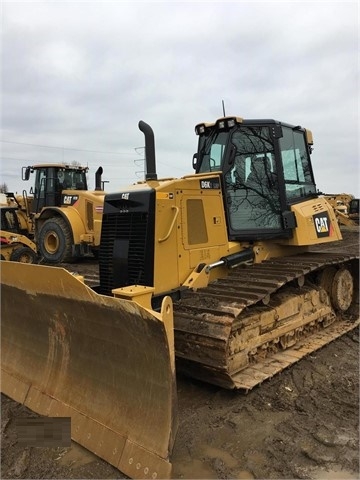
354, 206
9, 219
265, 168
354, 210
51, 181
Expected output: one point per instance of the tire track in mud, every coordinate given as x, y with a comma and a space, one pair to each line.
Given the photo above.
322, 433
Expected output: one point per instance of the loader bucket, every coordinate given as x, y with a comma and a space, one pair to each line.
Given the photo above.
105, 362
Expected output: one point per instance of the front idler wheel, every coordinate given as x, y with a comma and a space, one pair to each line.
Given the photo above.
339, 284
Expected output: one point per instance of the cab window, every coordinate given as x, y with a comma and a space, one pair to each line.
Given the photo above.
212, 150
298, 176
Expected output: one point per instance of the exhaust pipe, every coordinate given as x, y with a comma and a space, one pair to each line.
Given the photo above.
98, 174
149, 151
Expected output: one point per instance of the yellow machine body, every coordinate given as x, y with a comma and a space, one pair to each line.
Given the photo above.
16, 247
83, 215
191, 229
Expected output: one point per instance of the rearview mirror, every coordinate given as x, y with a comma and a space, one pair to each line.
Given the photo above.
25, 173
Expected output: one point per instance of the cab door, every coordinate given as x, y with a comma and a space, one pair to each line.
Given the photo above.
252, 185
45, 192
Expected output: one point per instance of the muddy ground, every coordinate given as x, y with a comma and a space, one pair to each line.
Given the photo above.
301, 424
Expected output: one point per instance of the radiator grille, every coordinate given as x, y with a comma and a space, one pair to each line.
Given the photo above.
123, 250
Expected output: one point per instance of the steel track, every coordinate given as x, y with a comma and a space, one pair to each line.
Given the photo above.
207, 320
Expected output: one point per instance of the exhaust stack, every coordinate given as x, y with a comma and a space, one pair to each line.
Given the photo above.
149, 151
98, 174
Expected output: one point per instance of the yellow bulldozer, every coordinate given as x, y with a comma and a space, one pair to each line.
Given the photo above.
60, 214
224, 274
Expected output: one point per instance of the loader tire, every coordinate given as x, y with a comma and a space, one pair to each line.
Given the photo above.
55, 241
24, 255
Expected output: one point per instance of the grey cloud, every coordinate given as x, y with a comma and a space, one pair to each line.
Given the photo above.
82, 75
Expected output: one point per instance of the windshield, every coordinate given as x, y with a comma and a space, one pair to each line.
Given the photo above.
211, 151
72, 179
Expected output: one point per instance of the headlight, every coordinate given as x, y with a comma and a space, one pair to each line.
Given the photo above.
228, 122
200, 129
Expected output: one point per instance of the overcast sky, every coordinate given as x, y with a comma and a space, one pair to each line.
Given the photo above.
78, 76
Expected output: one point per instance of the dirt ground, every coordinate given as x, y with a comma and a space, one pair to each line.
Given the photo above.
301, 424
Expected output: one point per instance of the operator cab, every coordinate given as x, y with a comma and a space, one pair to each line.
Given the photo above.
265, 166
354, 206
51, 181
9, 219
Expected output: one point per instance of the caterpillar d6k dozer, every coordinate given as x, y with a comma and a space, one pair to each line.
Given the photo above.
239, 253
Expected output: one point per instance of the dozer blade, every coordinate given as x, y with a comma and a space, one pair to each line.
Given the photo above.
105, 362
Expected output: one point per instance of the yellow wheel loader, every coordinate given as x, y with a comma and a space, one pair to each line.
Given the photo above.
61, 215
346, 208
17, 248
229, 270
339, 201
14, 246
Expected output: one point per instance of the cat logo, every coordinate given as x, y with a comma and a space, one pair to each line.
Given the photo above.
322, 224
69, 199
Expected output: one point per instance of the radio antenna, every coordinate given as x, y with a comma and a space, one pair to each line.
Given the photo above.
223, 105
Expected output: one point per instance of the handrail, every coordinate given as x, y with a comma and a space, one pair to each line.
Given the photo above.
172, 224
